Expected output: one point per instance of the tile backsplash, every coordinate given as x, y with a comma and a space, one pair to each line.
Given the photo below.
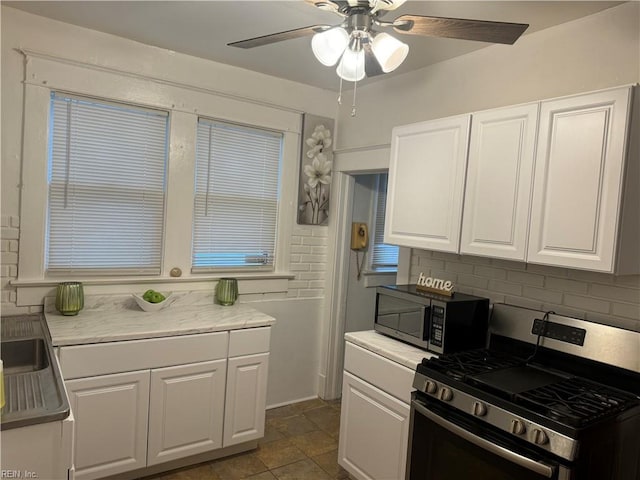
592, 296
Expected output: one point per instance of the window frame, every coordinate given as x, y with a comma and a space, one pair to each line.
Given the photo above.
269, 267
374, 214
59, 272
185, 103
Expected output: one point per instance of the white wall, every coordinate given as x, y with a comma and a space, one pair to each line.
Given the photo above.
595, 52
298, 308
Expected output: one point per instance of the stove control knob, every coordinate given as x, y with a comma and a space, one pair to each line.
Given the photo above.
479, 409
539, 437
431, 387
517, 427
446, 394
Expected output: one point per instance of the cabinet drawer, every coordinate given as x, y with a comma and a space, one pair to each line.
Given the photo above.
249, 341
99, 359
389, 376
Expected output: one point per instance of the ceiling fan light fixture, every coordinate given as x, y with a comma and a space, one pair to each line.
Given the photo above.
351, 66
389, 51
329, 45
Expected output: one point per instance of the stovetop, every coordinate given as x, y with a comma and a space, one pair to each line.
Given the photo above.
569, 400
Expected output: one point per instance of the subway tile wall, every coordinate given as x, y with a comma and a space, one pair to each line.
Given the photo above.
598, 297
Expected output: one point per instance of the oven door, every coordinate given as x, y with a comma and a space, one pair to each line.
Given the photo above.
449, 445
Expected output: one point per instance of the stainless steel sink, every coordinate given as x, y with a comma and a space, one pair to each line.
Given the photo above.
34, 392
20, 356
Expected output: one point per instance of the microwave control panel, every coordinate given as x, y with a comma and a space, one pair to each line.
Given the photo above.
437, 326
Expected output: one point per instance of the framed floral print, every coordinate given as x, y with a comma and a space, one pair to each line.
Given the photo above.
316, 163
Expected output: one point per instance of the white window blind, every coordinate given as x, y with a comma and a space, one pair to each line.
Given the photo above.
384, 256
236, 196
106, 180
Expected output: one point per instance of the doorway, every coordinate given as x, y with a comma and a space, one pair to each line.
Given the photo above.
367, 267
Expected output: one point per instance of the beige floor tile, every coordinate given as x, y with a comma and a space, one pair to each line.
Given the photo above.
329, 463
262, 476
308, 405
285, 411
326, 418
198, 472
315, 443
238, 466
271, 433
292, 426
302, 470
278, 453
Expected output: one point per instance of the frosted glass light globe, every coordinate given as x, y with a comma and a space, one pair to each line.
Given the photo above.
389, 51
328, 46
351, 66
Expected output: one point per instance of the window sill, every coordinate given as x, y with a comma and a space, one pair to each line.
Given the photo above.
376, 278
33, 292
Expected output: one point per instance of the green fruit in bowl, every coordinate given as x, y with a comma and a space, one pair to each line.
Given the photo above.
147, 295
156, 297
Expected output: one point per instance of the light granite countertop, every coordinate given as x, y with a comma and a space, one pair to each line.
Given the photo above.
389, 348
108, 318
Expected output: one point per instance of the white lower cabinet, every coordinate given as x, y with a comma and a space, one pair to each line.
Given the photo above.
213, 396
110, 434
246, 398
375, 414
374, 432
186, 410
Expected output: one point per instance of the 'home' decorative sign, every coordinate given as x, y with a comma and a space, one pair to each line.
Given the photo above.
434, 285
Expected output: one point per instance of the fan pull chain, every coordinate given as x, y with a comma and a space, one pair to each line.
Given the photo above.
353, 106
340, 93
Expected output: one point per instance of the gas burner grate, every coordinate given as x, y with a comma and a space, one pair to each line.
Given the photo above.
460, 365
576, 401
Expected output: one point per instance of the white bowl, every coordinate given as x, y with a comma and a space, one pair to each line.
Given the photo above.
153, 307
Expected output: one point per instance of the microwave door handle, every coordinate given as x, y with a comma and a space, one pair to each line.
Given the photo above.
537, 467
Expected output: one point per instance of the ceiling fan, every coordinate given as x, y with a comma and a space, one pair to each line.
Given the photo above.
362, 50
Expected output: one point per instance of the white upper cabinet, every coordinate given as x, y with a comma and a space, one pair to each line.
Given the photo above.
426, 184
499, 180
576, 217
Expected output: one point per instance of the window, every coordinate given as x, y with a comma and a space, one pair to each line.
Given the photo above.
383, 256
106, 179
236, 196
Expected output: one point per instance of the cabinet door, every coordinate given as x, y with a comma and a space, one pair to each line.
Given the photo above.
499, 180
578, 180
426, 184
374, 432
110, 431
246, 398
186, 410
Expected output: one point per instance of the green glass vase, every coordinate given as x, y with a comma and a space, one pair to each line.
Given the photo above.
227, 291
69, 298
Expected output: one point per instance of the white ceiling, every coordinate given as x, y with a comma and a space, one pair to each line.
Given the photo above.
203, 28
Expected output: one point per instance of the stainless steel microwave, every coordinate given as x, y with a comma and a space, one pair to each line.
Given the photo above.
436, 323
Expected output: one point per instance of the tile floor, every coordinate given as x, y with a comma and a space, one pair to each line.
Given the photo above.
300, 443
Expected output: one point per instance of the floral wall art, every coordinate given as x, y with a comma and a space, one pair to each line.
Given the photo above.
316, 164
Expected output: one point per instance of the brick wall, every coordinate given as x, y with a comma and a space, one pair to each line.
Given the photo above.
9, 247
592, 296
308, 261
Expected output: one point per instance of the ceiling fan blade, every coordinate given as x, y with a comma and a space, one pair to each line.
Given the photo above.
326, 5
371, 65
279, 37
479, 30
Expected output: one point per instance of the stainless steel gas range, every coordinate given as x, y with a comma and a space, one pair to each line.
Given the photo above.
552, 397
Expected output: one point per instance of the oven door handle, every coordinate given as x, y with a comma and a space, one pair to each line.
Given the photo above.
529, 464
